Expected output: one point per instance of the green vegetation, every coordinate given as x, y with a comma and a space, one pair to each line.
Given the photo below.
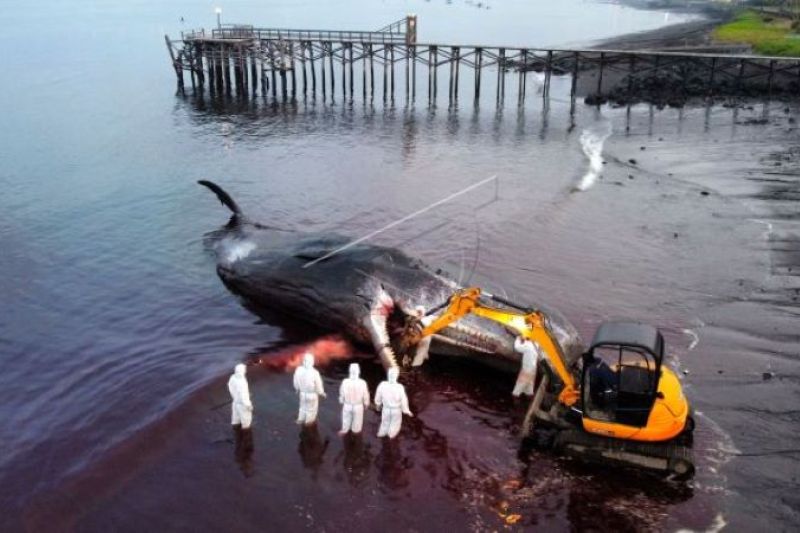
768, 34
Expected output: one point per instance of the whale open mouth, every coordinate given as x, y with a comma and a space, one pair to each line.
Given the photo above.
391, 328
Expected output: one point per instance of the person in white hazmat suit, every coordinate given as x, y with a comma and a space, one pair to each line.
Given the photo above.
308, 385
392, 400
421, 354
354, 397
531, 353
242, 407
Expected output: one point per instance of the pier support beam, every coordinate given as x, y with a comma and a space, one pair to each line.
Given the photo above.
322, 70
352, 78
385, 72
313, 72
303, 66
293, 72
548, 72
574, 87
600, 74
263, 74
218, 69
364, 71
371, 72
408, 75
711, 75
254, 72
391, 66
523, 77
237, 72
478, 70
333, 78
344, 71
501, 75
413, 73
226, 68
430, 74
175, 64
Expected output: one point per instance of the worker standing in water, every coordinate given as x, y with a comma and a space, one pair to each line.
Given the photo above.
308, 385
354, 397
242, 407
392, 400
531, 353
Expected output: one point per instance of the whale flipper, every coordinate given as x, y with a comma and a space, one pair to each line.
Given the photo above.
223, 196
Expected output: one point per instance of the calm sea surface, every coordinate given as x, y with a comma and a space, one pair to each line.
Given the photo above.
116, 336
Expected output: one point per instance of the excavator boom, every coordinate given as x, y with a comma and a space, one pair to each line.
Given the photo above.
530, 324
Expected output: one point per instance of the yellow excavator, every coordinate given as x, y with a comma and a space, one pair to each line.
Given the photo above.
616, 404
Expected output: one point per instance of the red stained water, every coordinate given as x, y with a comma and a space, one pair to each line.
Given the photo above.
325, 350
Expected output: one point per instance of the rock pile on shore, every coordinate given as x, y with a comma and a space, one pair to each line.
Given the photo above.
675, 85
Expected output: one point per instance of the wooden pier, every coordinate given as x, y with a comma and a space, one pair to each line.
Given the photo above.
287, 64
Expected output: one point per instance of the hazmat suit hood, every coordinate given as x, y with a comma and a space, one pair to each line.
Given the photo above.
392, 374
308, 360
355, 371
240, 370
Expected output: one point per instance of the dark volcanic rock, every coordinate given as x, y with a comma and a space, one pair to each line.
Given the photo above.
674, 85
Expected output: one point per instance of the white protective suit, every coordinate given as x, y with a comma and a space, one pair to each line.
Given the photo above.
308, 384
242, 407
531, 353
424, 345
391, 398
354, 397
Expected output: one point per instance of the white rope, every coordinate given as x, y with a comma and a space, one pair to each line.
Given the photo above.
400, 221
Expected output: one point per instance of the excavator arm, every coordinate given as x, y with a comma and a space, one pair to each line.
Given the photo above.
531, 324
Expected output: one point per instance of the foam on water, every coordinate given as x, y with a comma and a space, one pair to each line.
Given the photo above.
592, 145
237, 250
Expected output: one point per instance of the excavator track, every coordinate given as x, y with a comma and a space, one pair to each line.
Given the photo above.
669, 457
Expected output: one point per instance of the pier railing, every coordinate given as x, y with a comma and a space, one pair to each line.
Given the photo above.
309, 35
398, 32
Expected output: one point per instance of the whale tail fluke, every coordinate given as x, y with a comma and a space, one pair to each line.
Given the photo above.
223, 196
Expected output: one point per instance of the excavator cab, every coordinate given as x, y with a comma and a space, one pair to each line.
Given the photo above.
620, 373
621, 383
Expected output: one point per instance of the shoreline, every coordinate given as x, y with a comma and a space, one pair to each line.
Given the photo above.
676, 85
694, 35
